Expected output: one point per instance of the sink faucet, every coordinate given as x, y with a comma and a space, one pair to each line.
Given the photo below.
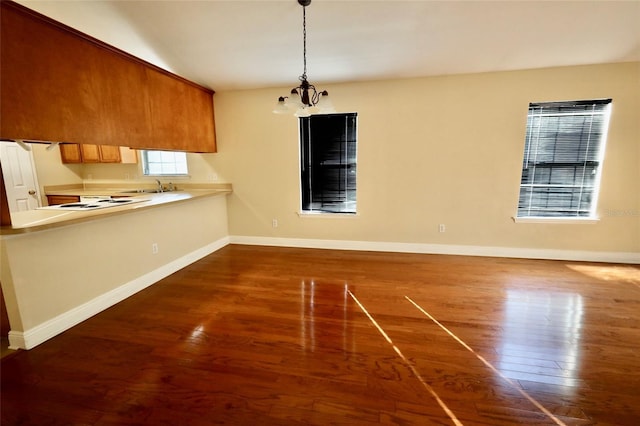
159, 185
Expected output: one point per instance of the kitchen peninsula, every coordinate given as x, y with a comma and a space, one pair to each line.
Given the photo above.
101, 256
39, 219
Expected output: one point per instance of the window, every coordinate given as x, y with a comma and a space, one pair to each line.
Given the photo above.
564, 148
328, 163
164, 163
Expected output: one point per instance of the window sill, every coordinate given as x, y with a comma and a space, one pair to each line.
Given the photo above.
324, 215
187, 176
554, 220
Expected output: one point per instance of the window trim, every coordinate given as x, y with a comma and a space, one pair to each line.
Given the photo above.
317, 214
557, 220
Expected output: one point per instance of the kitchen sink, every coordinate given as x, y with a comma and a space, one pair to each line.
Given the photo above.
143, 191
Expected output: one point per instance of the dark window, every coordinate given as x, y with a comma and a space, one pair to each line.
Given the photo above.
563, 152
328, 145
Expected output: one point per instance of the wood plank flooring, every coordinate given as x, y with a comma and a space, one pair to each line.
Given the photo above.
282, 336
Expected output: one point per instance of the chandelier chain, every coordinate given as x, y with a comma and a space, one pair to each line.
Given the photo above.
304, 42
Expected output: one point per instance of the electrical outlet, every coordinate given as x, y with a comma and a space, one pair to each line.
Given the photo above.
274, 223
154, 248
441, 227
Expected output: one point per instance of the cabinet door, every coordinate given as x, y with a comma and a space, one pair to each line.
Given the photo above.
123, 93
128, 155
70, 153
109, 154
181, 114
53, 200
167, 106
47, 73
201, 129
90, 153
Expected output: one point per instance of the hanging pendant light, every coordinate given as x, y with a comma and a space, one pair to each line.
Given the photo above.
305, 96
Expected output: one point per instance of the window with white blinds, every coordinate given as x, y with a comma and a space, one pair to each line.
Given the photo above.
164, 163
563, 153
328, 147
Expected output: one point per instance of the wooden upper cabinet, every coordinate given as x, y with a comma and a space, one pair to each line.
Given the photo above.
182, 115
90, 153
100, 153
58, 84
202, 130
46, 82
70, 153
123, 93
167, 105
109, 153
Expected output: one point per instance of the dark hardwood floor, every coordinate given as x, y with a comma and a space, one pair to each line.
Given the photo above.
280, 336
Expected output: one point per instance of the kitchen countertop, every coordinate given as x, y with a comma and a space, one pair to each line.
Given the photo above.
37, 220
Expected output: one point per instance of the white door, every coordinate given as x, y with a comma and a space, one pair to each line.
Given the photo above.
20, 179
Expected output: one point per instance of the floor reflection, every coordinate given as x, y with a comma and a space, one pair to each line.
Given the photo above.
324, 316
541, 337
616, 273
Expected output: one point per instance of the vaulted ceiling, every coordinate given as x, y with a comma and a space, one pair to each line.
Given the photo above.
240, 44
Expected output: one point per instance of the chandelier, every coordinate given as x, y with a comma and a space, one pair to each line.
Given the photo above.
305, 96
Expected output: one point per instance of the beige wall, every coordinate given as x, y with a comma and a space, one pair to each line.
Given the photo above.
51, 171
442, 150
431, 150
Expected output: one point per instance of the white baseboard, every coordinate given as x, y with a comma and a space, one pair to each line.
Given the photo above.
523, 253
42, 332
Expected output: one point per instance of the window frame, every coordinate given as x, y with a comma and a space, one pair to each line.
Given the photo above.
144, 163
586, 157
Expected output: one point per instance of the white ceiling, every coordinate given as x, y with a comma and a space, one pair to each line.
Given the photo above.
239, 44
